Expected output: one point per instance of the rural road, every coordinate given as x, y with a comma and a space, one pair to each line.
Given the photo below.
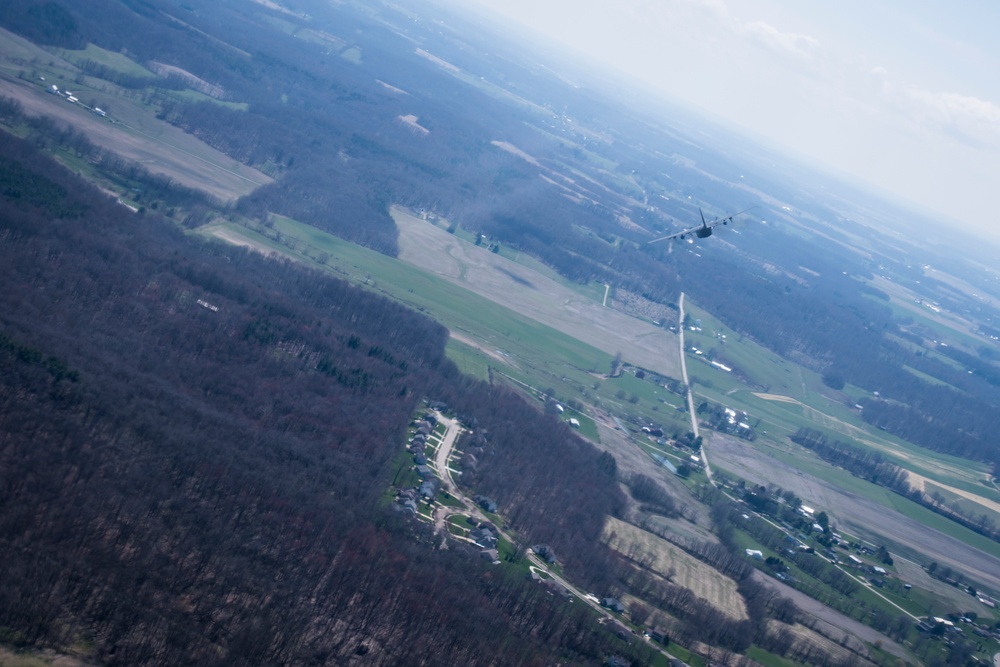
687, 386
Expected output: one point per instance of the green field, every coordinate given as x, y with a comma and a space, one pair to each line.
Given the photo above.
111, 59
194, 96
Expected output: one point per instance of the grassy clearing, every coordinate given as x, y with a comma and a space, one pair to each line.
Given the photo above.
448, 500
119, 62
587, 427
761, 656
352, 55
194, 96
469, 359
761, 367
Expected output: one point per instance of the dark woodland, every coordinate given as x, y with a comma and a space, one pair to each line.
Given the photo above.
196, 442
187, 485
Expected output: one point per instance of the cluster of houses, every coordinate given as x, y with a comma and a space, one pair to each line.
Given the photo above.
425, 426
70, 97
428, 490
430, 484
952, 627
485, 535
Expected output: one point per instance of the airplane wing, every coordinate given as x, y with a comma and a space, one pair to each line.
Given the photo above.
722, 221
674, 236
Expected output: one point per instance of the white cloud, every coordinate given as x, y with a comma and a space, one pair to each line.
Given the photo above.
792, 43
967, 117
717, 7
971, 120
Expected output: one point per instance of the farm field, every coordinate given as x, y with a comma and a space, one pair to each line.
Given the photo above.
901, 524
131, 130
796, 397
534, 295
671, 563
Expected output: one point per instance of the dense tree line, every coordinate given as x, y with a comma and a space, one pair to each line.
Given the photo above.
532, 485
651, 496
184, 478
859, 461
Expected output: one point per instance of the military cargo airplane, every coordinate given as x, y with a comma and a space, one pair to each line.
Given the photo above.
705, 230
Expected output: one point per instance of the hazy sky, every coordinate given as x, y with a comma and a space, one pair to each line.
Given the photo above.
903, 94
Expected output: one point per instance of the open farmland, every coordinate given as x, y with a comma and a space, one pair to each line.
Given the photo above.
885, 520
534, 295
131, 130
169, 151
675, 565
830, 622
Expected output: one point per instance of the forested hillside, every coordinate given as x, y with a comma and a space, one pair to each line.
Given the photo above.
194, 444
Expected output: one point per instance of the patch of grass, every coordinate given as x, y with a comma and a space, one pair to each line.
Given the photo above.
929, 379
588, 427
119, 62
193, 96
933, 520
761, 656
457, 525
404, 476
352, 55
760, 366
281, 24
448, 500
469, 360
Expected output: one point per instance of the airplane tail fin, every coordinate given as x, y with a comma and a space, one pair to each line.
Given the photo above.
703, 223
